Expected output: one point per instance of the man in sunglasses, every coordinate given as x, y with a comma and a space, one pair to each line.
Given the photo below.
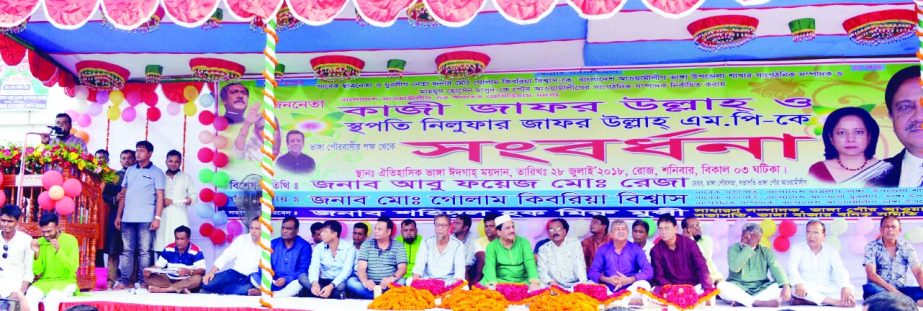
16, 261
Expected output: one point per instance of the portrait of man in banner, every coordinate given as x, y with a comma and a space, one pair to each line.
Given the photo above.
295, 160
234, 97
902, 97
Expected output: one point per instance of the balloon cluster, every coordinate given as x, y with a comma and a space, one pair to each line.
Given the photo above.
787, 229
60, 194
212, 200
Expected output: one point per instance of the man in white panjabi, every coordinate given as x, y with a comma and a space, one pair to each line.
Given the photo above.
817, 272
177, 197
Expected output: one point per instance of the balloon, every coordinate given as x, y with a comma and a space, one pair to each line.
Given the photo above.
221, 123
129, 114
206, 155
116, 97
81, 92
914, 235
235, 229
56, 192
781, 244
45, 201
220, 218
150, 99
206, 137
206, 117
787, 228
64, 206
204, 211
865, 225
72, 187
206, 195
190, 93
221, 199
133, 98
94, 109
190, 109
84, 120
834, 241
651, 224
579, 227
720, 228
206, 100
113, 113
221, 179
206, 175
857, 246
221, 160
173, 109
769, 227
72, 113
765, 241
206, 229
83, 135
838, 226
153, 114
51, 178
218, 237
2, 198
103, 97
220, 142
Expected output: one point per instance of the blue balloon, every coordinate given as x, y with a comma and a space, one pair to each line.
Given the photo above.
206, 100
205, 211
220, 219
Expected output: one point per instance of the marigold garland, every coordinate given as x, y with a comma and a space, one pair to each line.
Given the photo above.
679, 296
65, 156
555, 301
476, 299
404, 298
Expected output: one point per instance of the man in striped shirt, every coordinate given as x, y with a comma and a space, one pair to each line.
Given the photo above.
382, 262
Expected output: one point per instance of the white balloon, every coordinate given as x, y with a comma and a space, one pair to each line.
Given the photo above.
206, 100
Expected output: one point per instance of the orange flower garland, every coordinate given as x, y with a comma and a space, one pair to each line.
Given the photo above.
548, 301
404, 298
475, 299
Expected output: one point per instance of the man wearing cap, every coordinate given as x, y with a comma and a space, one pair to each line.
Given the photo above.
509, 259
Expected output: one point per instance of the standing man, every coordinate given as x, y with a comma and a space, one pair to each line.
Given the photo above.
693, 229
474, 255
16, 265
239, 279
411, 243
57, 257
291, 256
180, 267
177, 198
61, 133
890, 262
113, 236
442, 256
640, 232
560, 261
621, 264
817, 271
360, 234
677, 259
599, 235
749, 262
490, 232
902, 98
139, 213
331, 264
382, 262
295, 160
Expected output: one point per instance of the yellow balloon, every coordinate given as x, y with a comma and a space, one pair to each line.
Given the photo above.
769, 227
114, 113
116, 97
190, 93
834, 241
190, 109
765, 242
56, 192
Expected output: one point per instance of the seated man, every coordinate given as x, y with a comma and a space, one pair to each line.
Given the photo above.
560, 262
441, 256
749, 262
180, 267
16, 265
411, 243
887, 272
621, 264
331, 263
677, 259
57, 257
693, 229
291, 256
239, 279
509, 259
382, 261
817, 271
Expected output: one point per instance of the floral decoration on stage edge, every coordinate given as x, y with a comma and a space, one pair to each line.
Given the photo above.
679, 297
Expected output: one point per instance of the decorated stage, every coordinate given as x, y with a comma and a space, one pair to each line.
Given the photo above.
123, 300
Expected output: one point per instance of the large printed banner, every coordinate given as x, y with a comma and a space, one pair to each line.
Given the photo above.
717, 142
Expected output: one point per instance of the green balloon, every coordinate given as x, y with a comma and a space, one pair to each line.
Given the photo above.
651, 224
221, 180
206, 176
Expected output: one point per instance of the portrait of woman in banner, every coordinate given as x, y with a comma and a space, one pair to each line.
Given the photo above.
850, 137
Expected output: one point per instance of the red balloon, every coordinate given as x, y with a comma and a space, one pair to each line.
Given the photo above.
206, 195
206, 117
221, 199
218, 236
221, 160
206, 229
221, 123
781, 244
787, 228
206, 155
153, 114
150, 98
45, 201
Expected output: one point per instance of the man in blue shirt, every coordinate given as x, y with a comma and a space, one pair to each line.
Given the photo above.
139, 213
180, 267
291, 256
331, 263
